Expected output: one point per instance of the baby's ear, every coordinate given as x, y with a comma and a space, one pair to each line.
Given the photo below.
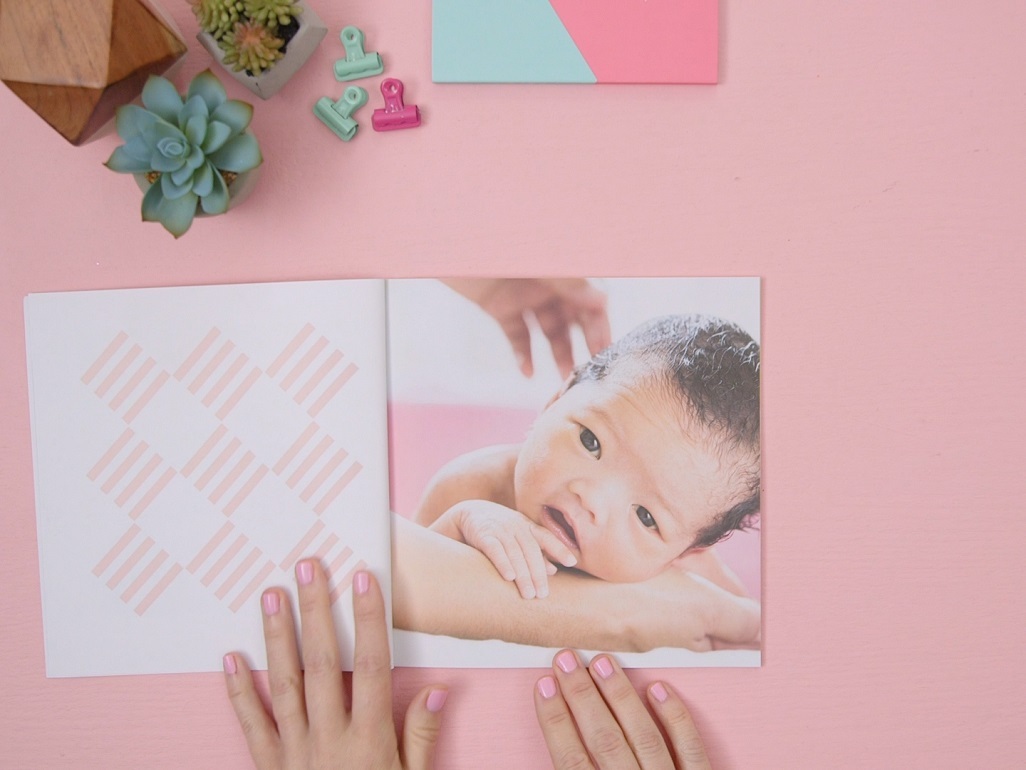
689, 560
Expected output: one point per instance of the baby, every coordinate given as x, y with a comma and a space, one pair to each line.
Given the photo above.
648, 455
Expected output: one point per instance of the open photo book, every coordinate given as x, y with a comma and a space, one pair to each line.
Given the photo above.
191, 444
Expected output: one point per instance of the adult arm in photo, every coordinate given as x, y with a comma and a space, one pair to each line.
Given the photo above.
442, 586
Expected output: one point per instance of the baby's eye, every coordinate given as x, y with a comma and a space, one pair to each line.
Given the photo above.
590, 442
645, 517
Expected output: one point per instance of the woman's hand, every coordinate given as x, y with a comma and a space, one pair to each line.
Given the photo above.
309, 725
593, 718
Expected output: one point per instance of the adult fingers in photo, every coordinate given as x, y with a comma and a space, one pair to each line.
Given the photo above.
679, 726
558, 728
257, 726
372, 673
325, 694
284, 674
422, 726
639, 728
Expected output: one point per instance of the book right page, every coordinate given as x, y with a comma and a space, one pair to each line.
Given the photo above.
575, 463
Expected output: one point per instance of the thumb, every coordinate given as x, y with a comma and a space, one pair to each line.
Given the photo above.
422, 726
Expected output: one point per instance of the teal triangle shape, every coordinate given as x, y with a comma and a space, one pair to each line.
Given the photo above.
503, 41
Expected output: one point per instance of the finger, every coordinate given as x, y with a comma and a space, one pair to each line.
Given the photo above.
421, 728
595, 325
519, 336
730, 618
553, 546
536, 563
554, 325
600, 732
557, 725
637, 724
524, 579
283, 671
257, 725
578, 292
325, 699
372, 673
493, 548
679, 726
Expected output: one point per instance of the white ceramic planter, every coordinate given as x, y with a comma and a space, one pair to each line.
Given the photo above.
311, 32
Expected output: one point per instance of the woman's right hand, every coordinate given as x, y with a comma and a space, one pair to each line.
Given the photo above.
593, 718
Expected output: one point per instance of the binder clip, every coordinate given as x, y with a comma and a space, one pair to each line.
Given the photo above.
357, 64
338, 116
395, 114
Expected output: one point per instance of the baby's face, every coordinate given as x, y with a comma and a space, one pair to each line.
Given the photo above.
610, 469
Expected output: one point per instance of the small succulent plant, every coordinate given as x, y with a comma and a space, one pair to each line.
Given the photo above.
252, 33
185, 145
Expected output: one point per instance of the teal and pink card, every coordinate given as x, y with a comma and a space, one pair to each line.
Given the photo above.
574, 41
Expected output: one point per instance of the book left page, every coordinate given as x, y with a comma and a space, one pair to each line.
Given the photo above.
190, 445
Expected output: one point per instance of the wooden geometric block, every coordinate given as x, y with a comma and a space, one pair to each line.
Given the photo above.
75, 61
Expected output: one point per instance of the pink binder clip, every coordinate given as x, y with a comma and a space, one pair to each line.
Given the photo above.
395, 114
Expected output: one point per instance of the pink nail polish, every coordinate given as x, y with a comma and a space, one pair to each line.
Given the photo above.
436, 699
271, 603
230, 666
304, 573
547, 687
361, 582
604, 667
659, 692
566, 661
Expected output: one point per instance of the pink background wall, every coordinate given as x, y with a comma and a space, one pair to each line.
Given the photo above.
868, 160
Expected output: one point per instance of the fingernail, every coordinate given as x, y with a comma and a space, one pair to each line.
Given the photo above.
230, 666
570, 561
566, 661
304, 573
436, 699
547, 687
361, 582
659, 692
271, 602
604, 667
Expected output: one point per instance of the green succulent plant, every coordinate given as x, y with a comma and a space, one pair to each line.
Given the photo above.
272, 12
217, 17
252, 47
185, 144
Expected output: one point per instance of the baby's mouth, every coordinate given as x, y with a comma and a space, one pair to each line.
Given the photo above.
557, 523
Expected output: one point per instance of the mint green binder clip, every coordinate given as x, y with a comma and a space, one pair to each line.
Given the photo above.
338, 116
358, 63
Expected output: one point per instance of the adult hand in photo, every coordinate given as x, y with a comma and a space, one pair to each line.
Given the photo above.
593, 718
309, 725
557, 304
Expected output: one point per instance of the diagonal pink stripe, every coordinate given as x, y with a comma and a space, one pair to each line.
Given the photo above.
322, 474
208, 549
330, 392
130, 534
118, 370
105, 356
133, 486
293, 450
233, 400
226, 557
243, 493
151, 495
144, 399
304, 467
301, 546
326, 546
127, 463
132, 383
196, 354
158, 589
212, 364
238, 572
145, 575
337, 488
251, 586
225, 378
218, 462
231, 477
291, 348
303, 363
110, 454
130, 562
318, 376
203, 451
340, 560
346, 581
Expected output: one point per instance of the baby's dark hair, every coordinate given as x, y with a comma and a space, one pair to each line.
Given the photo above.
712, 367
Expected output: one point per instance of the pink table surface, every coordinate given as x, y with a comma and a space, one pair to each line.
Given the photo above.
868, 160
